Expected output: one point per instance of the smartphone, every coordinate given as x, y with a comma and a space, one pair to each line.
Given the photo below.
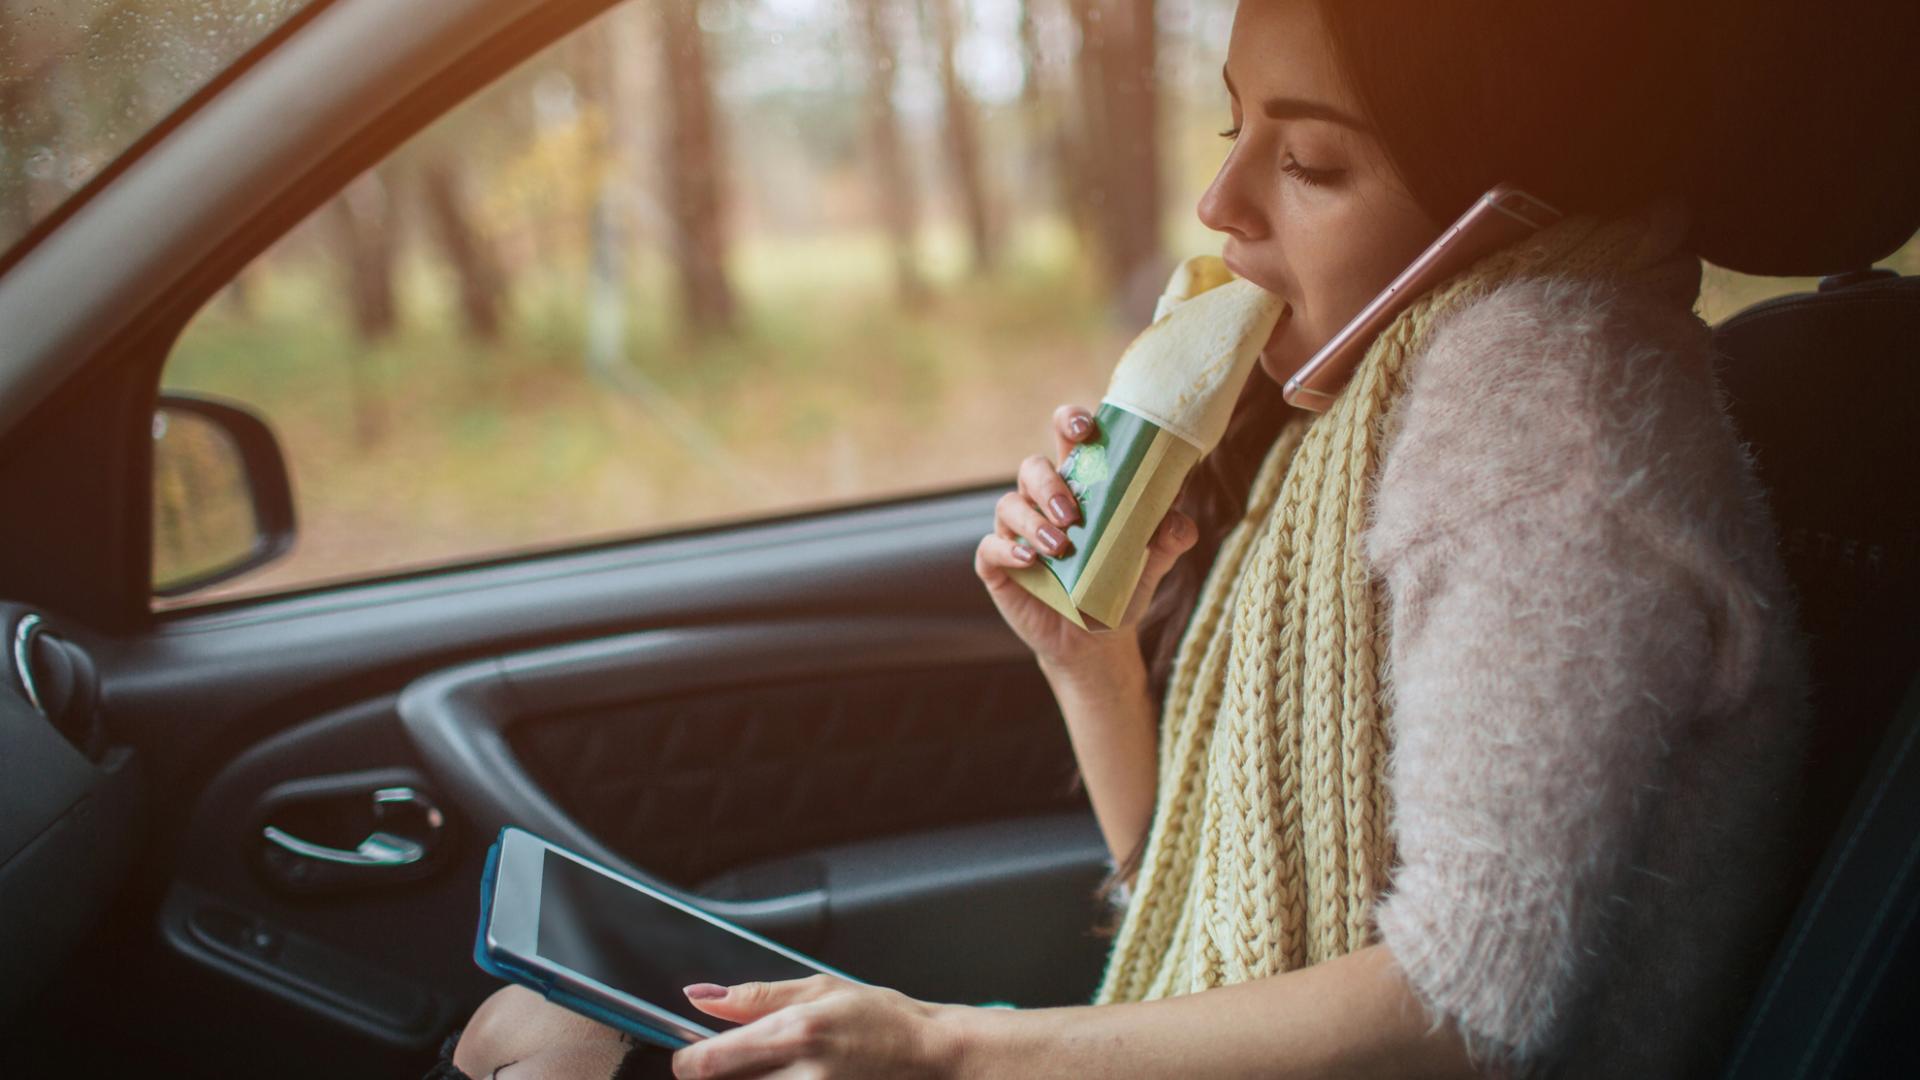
1502, 216
611, 948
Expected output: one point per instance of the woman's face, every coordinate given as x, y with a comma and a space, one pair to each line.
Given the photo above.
1310, 205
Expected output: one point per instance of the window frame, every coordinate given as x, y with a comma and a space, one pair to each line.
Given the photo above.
456, 83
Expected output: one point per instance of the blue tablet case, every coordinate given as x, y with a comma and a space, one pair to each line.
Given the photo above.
559, 996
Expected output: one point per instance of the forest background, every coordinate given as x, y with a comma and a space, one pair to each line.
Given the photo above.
698, 262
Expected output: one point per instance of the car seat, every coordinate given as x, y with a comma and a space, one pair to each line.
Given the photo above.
1824, 388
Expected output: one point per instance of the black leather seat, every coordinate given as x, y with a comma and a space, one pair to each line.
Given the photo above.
1824, 386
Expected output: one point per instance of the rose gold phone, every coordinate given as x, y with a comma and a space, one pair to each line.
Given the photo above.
1500, 217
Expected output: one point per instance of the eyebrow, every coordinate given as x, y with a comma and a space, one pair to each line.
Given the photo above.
1285, 108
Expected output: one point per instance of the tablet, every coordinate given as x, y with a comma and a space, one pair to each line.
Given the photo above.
611, 948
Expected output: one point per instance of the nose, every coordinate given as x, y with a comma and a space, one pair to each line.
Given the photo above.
1228, 205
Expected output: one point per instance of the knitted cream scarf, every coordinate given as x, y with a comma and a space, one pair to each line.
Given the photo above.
1270, 840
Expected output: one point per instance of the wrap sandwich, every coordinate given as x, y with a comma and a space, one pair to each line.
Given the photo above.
1166, 406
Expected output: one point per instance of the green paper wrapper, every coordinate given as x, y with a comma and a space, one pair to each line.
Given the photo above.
1125, 481
1167, 405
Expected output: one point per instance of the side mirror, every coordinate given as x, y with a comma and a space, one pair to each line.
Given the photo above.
222, 503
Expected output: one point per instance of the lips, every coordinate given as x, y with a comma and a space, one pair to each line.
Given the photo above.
1233, 264
1286, 313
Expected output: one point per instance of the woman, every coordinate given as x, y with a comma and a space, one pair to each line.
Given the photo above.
1479, 698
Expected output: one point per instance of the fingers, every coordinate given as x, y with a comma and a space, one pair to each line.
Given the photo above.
1175, 537
1039, 510
747, 1001
1047, 490
783, 1039
996, 555
788, 1033
1014, 517
1072, 425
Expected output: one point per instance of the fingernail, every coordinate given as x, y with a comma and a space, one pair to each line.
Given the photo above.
1062, 508
1055, 540
704, 991
1022, 553
1078, 427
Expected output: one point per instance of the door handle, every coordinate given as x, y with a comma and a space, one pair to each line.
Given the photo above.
378, 849
303, 865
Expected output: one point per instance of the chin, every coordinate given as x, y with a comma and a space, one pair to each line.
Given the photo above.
1276, 371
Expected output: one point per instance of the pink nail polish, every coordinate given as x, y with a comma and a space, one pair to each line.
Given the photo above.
1022, 553
1079, 427
704, 991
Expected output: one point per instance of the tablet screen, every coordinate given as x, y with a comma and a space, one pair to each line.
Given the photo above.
642, 946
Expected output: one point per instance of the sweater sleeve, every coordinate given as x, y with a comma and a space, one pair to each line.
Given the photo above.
1547, 649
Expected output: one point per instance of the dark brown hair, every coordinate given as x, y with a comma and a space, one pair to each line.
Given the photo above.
1593, 108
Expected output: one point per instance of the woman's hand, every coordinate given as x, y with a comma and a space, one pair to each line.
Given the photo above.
1056, 642
819, 1026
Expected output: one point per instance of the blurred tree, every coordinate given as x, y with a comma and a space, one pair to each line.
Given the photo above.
962, 135
889, 160
624, 218
467, 250
364, 232
239, 295
1118, 150
696, 171
1053, 154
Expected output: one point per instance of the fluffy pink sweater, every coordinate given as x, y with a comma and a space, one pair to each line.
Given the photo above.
1598, 686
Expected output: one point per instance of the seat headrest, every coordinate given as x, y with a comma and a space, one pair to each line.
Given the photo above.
1822, 388
1812, 161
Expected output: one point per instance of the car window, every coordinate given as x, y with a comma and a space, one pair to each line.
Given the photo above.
681, 270
1723, 292
82, 80
666, 274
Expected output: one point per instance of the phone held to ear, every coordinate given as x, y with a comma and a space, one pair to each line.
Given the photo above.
611, 948
1504, 215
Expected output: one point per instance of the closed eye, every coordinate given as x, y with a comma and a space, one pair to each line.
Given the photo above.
1310, 176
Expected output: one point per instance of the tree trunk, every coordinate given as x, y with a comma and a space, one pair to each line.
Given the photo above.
1053, 153
696, 172
889, 159
467, 251
362, 226
239, 294
962, 137
1119, 151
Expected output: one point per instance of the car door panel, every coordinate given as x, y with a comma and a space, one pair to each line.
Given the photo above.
676, 755
690, 751
232, 670
831, 737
